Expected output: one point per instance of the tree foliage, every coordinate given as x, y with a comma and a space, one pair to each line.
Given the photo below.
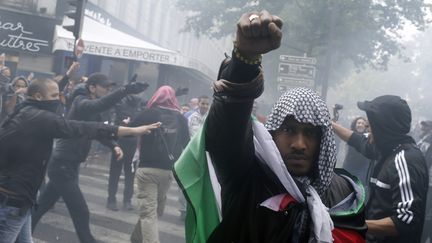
409, 79
363, 31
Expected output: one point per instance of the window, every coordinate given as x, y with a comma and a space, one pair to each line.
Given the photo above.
41, 7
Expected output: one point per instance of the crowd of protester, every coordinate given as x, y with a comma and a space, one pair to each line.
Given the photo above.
245, 177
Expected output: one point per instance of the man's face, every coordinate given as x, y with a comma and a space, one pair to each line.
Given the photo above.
299, 145
360, 126
203, 105
193, 103
99, 91
52, 92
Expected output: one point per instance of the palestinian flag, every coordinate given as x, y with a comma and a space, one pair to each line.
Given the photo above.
192, 175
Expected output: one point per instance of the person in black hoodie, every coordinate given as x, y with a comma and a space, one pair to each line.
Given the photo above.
399, 181
89, 102
26, 139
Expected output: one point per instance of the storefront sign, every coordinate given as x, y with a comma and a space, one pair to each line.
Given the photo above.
126, 53
25, 33
138, 54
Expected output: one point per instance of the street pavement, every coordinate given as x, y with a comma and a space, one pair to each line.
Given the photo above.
106, 225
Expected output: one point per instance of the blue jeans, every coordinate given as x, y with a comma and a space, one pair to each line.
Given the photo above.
15, 225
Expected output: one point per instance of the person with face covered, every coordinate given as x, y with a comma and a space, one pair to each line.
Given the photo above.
355, 163
246, 182
26, 139
89, 101
398, 185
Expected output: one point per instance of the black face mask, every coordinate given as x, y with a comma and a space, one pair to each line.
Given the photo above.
48, 105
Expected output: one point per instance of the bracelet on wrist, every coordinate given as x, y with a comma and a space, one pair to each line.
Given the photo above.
246, 60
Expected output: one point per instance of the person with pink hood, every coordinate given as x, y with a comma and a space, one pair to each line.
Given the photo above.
158, 152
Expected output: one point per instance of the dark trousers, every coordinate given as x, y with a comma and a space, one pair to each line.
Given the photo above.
128, 146
63, 182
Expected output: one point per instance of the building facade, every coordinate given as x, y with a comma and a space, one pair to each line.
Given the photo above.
122, 37
26, 30
161, 23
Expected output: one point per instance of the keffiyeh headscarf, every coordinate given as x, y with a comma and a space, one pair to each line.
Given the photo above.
164, 97
307, 107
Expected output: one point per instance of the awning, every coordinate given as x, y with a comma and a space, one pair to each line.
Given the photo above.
102, 40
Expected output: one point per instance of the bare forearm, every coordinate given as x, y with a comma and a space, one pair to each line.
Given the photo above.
127, 131
342, 132
137, 131
381, 227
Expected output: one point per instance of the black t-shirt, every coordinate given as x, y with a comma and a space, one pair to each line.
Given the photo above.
171, 138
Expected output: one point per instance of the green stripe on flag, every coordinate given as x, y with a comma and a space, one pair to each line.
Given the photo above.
192, 175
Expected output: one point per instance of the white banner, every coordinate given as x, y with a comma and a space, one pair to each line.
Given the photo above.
120, 45
123, 52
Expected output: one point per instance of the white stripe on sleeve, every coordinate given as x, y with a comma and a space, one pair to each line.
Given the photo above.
404, 212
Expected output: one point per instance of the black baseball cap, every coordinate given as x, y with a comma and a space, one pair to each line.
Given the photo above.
99, 79
390, 119
366, 105
384, 103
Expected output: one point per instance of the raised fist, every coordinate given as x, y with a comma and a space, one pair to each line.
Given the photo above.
258, 33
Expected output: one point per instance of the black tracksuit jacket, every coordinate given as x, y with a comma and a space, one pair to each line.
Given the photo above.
399, 181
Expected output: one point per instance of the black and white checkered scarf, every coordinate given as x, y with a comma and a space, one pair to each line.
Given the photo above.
307, 107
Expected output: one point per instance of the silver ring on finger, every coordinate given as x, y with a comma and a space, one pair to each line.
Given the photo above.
252, 17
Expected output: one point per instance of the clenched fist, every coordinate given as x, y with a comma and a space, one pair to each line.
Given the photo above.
258, 33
